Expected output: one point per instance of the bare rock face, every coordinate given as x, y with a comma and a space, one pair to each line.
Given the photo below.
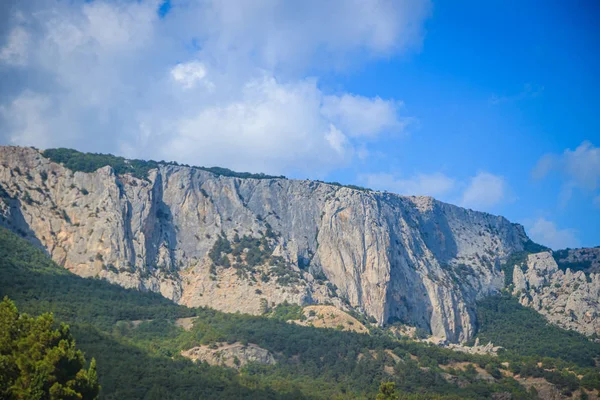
568, 299
235, 355
246, 244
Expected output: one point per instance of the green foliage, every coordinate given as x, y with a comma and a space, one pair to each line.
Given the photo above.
39, 362
143, 362
249, 253
129, 371
234, 174
90, 162
532, 247
30, 278
518, 258
387, 391
560, 258
287, 312
524, 332
221, 246
591, 380
27, 198
355, 187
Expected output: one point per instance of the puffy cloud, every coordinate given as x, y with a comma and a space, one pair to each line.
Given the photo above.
272, 126
579, 169
547, 233
213, 82
281, 34
28, 114
189, 74
361, 116
435, 184
484, 191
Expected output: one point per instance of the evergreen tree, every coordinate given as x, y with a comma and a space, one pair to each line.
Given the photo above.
38, 362
387, 391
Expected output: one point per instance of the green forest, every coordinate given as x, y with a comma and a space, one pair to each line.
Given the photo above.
144, 361
90, 162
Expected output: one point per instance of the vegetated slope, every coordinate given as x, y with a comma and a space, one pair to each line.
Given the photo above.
233, 241
583, 259
143, 362
523, 331
93, 308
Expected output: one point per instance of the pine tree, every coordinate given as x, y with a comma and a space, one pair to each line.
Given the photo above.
387, 391
39, 362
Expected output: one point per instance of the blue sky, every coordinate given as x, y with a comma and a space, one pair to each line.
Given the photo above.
490, 105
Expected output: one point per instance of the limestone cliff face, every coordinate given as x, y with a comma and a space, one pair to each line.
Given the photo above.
412, 259
568, 299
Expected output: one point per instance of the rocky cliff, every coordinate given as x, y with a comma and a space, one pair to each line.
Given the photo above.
566, 298
236, 244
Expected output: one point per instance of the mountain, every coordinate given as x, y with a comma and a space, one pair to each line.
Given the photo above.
142, 341
244, 242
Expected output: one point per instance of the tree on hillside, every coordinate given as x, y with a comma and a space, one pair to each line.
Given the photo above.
39, 362
387, 391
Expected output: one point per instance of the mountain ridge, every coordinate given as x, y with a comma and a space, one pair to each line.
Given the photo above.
237, 243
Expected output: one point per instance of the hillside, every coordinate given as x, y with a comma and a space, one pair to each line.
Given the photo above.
142, 361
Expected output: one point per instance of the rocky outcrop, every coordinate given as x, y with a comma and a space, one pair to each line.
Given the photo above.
330, 317
568, 299
239, 244
235, 355
488, 349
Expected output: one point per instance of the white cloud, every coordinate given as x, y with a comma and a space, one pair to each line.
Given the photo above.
29, 114
484, 190
279, 33
189, 74
15, 51
435, 184
336, 139
272, 126
214, 82
361, 116
579, 169
546, 232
